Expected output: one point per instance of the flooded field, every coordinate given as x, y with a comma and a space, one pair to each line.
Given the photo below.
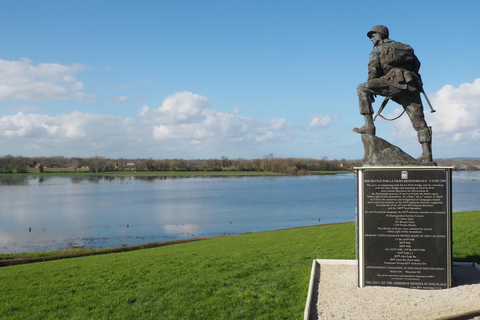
52, 213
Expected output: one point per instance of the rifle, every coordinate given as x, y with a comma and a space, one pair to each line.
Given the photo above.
428, 101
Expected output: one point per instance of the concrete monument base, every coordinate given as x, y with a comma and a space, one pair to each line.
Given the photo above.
334, 294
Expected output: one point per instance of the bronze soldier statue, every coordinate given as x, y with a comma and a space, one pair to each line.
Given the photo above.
393, 73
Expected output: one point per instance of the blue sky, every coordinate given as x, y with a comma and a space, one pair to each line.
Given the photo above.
205, 79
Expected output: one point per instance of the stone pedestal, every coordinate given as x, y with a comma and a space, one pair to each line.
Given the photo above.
379, 152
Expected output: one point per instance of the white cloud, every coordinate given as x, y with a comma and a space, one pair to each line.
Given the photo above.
278, 124
34, 126
46, 81
268, 136
143, 110
75, 133
187, 116
319, 121
183, 120
458, 110
455, 124
457, 116
182, 107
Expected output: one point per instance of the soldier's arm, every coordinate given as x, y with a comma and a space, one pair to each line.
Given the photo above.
374, 65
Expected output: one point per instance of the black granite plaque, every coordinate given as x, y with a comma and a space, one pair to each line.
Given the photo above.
405, 217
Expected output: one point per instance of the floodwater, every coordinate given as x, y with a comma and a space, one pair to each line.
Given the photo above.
51, 213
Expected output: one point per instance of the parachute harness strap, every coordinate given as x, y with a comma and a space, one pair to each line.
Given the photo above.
401, 114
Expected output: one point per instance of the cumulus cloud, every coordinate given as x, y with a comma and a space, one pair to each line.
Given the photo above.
458, 111
188, 116
42, 82
457, 117
183, 119
182, 107
75, 133
319, 121
65, 126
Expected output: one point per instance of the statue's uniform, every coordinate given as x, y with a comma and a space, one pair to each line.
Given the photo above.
398, 79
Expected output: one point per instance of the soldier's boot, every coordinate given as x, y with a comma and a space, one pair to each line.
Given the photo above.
368, 128
425, 138
427, 152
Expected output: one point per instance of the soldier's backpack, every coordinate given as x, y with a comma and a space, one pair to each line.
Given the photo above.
400, 55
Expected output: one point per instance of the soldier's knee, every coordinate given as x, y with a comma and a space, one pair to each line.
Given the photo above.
362, 89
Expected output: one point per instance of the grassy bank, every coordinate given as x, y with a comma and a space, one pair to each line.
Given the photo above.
253, 276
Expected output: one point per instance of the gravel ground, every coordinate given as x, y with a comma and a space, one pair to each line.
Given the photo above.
336, 295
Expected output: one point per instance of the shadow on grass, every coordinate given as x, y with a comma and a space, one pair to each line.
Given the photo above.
469, 258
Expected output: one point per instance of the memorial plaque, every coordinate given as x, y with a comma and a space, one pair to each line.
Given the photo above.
404, 217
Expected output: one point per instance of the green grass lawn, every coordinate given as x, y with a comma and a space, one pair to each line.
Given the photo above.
253, 276
466, 236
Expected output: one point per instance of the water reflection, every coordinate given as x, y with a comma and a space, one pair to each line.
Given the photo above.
20, 180
11, 180
152, 178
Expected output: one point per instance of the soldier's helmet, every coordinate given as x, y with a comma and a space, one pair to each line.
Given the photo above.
379, 29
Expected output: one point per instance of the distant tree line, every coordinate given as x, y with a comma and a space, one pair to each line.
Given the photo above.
269, 163
460, 164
